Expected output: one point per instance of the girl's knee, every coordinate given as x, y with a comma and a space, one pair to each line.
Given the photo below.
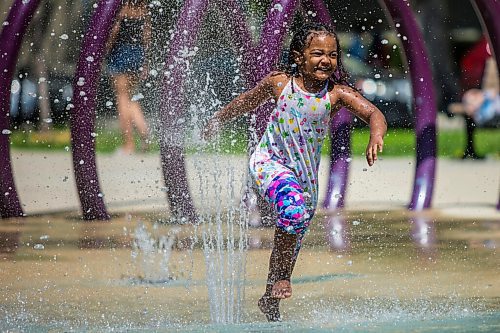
293, 218
288, 198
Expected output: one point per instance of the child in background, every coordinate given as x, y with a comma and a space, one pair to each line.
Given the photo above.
128, 45
284, 165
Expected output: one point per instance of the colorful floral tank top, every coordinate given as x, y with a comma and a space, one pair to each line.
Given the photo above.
293, 139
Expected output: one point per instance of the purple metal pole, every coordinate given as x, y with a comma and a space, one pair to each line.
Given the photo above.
172, 110
425, 104
14, 28
488, 11
82, 118
240, 34
318, 6
340, 145
340, 134
279, 19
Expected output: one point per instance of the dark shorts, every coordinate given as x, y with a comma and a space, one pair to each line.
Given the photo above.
125, 58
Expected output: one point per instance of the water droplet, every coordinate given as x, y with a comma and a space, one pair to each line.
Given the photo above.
64, 36
356, 223
137, 97
6, 131
38, 247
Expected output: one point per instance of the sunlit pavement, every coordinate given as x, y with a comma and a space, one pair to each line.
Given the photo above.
45, 182
374, 268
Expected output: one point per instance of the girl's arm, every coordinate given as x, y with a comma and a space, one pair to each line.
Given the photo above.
351, 99
242, 104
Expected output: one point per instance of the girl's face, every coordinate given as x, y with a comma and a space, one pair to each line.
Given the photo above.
319, 59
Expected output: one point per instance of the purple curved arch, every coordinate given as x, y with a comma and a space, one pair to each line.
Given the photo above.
488, 12
340, 134
82, 117
13, 31
172, 111
240, 34
267, 53
425, 103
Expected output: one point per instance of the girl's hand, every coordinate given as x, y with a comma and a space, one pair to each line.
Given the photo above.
212, 128
375, 146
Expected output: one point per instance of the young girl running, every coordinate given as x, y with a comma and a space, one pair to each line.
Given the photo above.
285, 163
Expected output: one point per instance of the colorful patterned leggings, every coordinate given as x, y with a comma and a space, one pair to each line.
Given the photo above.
287, 196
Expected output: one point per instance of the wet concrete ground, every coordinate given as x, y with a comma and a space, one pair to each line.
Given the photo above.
368, 271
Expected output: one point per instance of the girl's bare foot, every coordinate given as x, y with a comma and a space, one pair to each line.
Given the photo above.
270, 304
281, 289
270, 307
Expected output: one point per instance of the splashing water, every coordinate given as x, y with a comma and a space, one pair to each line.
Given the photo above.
224, 245
147, 251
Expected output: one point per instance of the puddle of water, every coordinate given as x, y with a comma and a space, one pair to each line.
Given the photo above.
365, 272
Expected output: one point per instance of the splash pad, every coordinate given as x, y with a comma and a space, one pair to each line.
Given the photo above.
177, 298
64, 274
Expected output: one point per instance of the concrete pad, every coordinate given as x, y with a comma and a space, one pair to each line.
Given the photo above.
45, 183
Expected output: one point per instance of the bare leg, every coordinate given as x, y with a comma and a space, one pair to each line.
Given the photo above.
138, 116
125, 113
140, 124
281, 265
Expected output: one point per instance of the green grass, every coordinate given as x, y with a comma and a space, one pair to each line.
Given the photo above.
450, 143
398, 142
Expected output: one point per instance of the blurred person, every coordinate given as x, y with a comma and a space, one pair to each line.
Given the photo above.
128, 47
483, 104
480, 85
